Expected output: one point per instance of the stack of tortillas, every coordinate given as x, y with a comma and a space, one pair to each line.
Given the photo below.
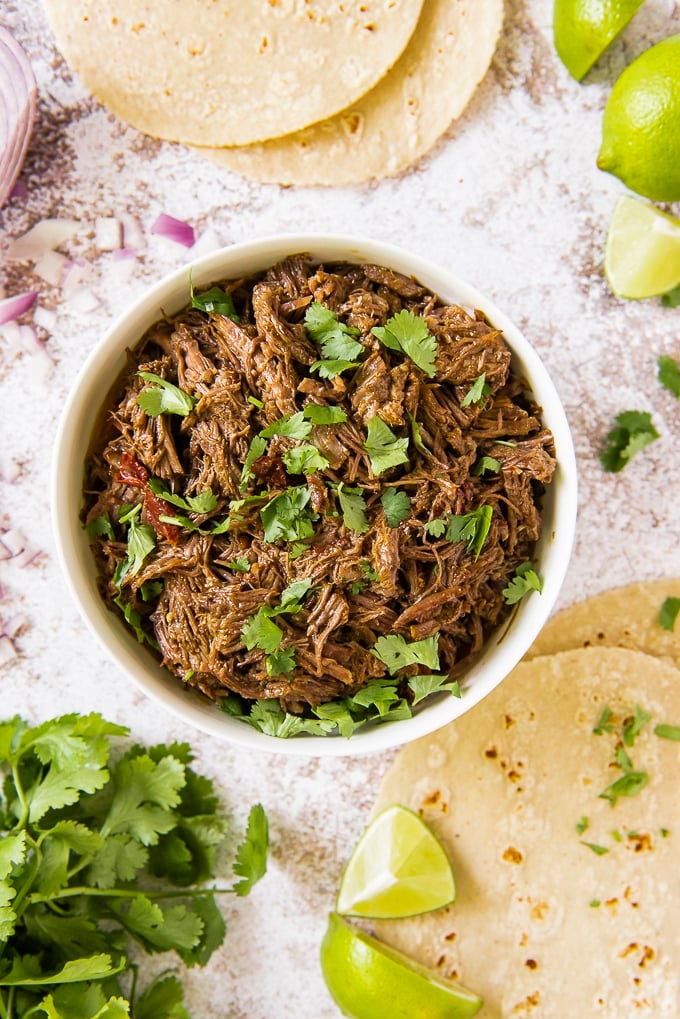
568, 905
288, 91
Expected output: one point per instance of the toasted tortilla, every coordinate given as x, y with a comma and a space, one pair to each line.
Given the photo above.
397, 122
621, 617
542, 925
210, 72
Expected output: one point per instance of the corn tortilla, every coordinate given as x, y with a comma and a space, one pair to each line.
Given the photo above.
542, 925
623, 616
209, 72
397, 122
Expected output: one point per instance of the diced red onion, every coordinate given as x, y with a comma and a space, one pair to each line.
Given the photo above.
8, 653
51, 267
45, 318
108, 233
176, 230
18, 96
20, 190
75, 273
13, 307
133, 235
45, 236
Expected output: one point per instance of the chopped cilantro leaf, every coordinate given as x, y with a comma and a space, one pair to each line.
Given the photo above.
422, 686
598, 850
256, 449
255, 402
251, 855
304, 459
151, 589
632, 727
396, 653
472, 527
633, 431
368, 571
629, 784
332, 336
215, 300
409, 333
204, 502
180, 520
669, 373
281, 662
163, 397
329, 368
141, 540
353, 508
487, 463
604, 722
384, 449
622, 759
240, 565
672, 298
292, 426
669, 613
525, 580
319, 414
396, 506
340, 714
435, 527
268, 716
477, 391
594, 903
292, 596
260, 632
287, 516
417, 437
101, 527
133, 619
582, 825
671, 732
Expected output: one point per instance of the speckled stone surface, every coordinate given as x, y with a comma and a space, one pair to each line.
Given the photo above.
511, 200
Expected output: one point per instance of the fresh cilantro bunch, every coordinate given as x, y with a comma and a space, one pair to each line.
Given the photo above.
96, 854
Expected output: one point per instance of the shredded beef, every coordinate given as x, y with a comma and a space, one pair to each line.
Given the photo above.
367, 582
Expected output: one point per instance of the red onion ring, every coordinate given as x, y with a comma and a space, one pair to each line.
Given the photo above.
18, 97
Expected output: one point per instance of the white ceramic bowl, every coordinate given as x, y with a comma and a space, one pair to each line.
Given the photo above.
503, 650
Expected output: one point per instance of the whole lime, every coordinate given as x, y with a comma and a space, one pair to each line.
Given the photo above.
583, 29
370, 980
641, 124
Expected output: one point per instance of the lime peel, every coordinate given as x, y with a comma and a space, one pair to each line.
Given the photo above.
367, 978
398, 868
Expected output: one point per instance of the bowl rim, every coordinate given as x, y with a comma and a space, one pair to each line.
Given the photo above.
120, 643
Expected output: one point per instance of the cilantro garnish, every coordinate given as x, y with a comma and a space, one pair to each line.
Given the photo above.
240, 565
632, 432
384, 449
353, 508
477, 391
339, 351
163, 397
417, 437
204, 502
669, 613
101, 527
671, 732
319, 414
214, 300
486, 463
427, 683
629, 784
304, 459
141, 541
671, 299
260, 632
293, 426
287, 516
256, 449
604, 722
268, 716
409, 334
582, 825
396, 506
280, 662
472, 527
525, 580
134, 619
396, 653
598, 850
669, 373
96, 854
632, 727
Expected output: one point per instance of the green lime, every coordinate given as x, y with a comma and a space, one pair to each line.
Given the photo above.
398, 869
368, 979
641, 125
642, 253
583, 29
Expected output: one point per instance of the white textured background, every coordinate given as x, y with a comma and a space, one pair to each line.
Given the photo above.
512, 201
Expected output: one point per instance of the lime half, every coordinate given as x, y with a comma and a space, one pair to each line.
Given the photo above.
583, 29
368, 979
398, 869
642, 253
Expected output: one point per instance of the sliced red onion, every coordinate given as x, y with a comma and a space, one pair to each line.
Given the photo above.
175, 230
108, 233
8, 653
13, 307
45, 236
133, 235
18, 96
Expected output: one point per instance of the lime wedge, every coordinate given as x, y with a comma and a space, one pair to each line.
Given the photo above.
583, 29
368, 979
398, 869
642, 253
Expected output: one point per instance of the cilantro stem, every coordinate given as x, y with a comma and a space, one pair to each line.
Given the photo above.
32, 872
21, 796
125, 893
4, 1013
